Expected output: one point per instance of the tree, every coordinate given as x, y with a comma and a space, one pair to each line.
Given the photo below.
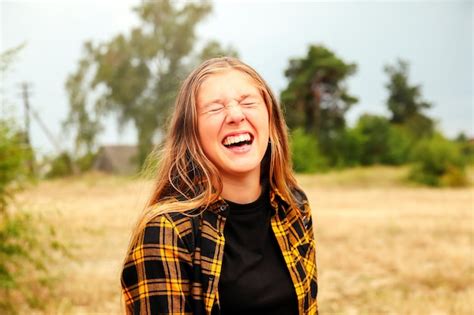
405, 101
316, 97
81, 116
214, 49
136, 76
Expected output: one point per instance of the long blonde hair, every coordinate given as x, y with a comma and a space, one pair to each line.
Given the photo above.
186, 179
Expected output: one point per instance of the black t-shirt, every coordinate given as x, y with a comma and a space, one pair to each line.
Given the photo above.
254, 277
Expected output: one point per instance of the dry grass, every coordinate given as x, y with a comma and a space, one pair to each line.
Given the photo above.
383, 247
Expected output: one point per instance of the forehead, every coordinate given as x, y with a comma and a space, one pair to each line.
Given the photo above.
227, 85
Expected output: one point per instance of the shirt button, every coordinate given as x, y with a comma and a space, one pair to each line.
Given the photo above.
222, 208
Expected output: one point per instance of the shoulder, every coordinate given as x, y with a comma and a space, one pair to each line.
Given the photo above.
302, 202
300, 198
172, 227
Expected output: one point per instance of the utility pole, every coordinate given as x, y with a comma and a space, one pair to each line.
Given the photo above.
25, 92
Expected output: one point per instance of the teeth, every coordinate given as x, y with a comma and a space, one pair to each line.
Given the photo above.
236, 139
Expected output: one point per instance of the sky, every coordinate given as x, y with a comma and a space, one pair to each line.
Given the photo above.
435, 37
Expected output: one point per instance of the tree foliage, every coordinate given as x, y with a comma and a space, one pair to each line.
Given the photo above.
136, 75
82, 115
405, 101
316, 98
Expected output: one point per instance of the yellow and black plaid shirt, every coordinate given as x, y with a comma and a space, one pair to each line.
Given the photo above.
176, 264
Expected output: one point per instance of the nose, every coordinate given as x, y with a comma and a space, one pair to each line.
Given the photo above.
234, 113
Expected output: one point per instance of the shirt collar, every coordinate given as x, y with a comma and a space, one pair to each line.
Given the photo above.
221, 207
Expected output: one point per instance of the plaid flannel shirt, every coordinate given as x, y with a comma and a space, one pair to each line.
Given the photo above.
176, 264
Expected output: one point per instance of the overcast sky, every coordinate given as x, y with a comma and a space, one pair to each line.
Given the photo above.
436, 37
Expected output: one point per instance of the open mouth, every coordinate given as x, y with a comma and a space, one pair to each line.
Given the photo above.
238, 140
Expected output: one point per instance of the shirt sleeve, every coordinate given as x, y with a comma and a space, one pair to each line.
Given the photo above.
312, 265
156, 274
310, 257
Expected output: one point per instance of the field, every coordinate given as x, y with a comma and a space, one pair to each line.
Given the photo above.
383, 247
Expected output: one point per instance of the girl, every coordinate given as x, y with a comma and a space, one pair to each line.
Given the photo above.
227, 229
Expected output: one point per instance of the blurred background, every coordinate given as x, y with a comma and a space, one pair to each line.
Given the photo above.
377, 95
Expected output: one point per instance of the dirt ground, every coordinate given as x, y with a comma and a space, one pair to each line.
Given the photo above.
382, 247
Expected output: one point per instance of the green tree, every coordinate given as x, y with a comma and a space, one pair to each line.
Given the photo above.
316, 98
405, 101
136, 76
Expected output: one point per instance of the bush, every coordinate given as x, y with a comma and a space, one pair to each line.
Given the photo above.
382, 142
305, 153
467, 148
27, 248
61, 166
347, 149
399, 144
438, 162
15, 156
375, 133
84, 163
26, 242
64, 165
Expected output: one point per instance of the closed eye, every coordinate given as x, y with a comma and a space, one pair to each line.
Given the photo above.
215, 109
248, 103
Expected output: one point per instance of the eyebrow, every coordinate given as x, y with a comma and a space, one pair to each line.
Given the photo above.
221, 101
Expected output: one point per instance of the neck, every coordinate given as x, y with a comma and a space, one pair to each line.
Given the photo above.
241, 190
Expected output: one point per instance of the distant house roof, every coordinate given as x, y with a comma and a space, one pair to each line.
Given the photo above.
117, 159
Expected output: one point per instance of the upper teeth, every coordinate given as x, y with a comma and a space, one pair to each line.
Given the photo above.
235, 139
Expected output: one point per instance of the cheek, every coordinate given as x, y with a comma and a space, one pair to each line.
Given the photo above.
207, 130
264, 122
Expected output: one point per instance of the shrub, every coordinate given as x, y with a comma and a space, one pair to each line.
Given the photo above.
382, 142
399, 144
15, 156
26, 243
438, 162
84, 163
467, 148
60, 166
305, 153
27, 274
347, 148
375, 133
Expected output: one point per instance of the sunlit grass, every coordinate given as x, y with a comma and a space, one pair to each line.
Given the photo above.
366, 177
382, 246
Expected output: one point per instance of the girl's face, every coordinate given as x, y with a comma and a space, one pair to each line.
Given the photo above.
233, 123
